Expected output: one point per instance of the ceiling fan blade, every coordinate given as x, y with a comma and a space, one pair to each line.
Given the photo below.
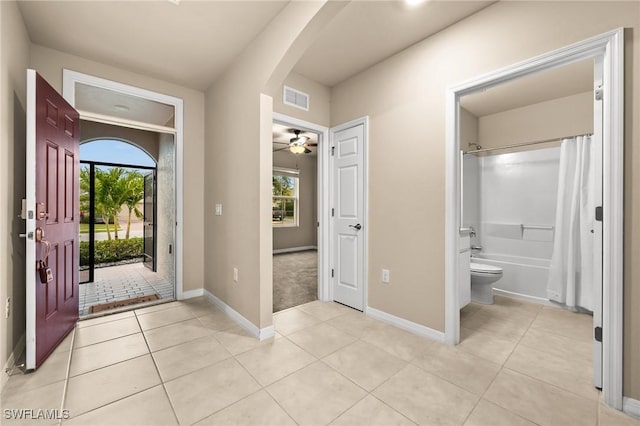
280, 149
311, 144
306, 150
281, 143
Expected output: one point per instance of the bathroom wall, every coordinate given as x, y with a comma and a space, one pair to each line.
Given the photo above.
571, 115
518, 189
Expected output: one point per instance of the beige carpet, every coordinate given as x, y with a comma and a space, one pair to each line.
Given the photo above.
295, 279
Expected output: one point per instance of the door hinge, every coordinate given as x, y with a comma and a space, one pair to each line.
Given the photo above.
318, 224
170, 248
597, 334
333, 212
332, 273
599, 213
599, 92
333, 150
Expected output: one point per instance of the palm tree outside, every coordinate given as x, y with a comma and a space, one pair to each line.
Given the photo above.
134, 189
114, 188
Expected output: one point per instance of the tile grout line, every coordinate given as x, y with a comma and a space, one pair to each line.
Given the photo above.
504, 367
66, 379
264, 387
155, 365
572, 393
358, 339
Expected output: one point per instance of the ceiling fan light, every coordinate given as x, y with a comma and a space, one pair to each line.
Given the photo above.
299, 140
297, 149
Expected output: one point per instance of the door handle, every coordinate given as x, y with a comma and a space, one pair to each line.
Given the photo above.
357, 226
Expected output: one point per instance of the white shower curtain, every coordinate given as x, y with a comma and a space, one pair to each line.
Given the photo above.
571, 271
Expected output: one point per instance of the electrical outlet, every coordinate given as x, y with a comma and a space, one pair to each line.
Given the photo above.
235, 275
218, 209
7, 309
386, 276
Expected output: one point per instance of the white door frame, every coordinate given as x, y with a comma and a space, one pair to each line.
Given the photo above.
325, 193
322, 195
364, 121
610, 47
69, 80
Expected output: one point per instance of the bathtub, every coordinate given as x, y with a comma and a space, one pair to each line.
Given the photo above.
522, 277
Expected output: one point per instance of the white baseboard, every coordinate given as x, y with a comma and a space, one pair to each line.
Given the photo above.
631, 407
410, 326
17, 350
524, 297
293, 249
190, 294
260, 333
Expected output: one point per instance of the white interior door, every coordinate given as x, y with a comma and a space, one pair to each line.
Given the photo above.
348, 215
597, 227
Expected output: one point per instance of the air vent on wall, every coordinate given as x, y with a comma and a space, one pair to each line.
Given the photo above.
295, 98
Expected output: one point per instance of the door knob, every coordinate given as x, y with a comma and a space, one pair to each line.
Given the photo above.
357, 226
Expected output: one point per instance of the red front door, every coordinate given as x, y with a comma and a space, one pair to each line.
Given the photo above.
52, 220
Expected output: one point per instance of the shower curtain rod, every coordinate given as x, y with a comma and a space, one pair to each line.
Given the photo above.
516, 145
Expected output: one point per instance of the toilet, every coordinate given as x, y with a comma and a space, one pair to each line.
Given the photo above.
482, 278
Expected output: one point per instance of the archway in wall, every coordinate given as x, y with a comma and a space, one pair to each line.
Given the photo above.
122, 182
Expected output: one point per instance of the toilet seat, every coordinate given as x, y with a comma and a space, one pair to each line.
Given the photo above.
485, 269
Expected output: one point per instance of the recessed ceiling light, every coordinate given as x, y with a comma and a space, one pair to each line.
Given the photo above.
412, 3
176, 2
121, 108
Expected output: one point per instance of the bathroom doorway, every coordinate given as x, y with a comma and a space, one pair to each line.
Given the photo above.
604, 52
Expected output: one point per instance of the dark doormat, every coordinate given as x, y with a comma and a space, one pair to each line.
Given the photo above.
120, 303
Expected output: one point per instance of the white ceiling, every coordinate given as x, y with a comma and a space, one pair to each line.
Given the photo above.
282, 134
553, 84
366, 32
106, 102
189, 44
192, 42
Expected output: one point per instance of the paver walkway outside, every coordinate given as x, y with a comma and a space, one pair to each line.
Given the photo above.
123, 282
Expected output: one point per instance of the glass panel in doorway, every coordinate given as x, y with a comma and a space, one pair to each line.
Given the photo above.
112, 240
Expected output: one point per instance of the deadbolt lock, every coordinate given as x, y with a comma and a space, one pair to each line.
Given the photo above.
41, 211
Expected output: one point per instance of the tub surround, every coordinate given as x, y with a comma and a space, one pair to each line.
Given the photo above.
510, 200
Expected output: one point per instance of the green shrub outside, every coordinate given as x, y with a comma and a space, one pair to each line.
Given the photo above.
107, 251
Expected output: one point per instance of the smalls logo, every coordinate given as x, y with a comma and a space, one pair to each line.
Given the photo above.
39, 414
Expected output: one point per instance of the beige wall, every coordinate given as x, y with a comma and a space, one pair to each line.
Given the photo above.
14, 50
148, 141
306, 233
407, 114
238, 131
568, 116
50, 63
319, 100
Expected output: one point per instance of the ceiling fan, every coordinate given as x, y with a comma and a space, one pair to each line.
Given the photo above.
297, 144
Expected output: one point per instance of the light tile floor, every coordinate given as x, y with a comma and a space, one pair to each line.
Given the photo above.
120, 283
187, 363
